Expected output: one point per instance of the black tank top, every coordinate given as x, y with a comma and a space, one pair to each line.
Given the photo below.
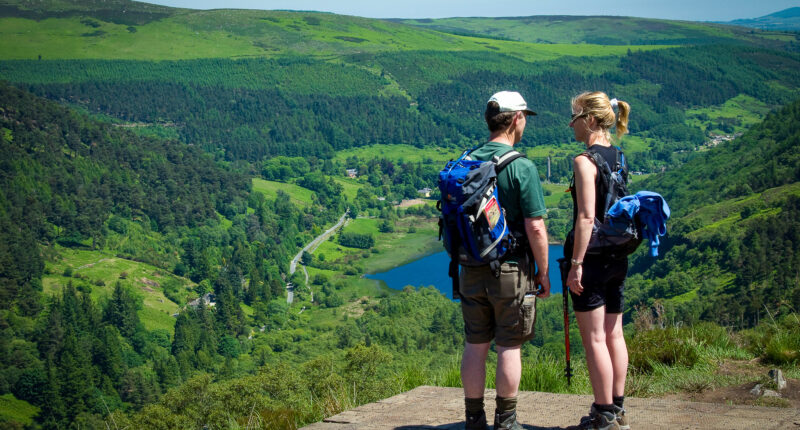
609, 154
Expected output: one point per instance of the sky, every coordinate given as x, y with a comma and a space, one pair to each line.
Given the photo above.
690, 10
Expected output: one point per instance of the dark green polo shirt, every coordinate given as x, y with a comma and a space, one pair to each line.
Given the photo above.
519, 188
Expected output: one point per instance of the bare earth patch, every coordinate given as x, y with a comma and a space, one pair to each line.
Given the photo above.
740, 394
412, 202
356, 309
149, 283
86, 266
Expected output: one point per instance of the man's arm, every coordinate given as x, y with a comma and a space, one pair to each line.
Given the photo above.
537, 237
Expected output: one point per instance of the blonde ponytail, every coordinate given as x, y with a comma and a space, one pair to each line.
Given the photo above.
622, 118
601, 108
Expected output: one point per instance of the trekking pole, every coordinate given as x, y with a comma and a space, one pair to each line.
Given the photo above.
564, 269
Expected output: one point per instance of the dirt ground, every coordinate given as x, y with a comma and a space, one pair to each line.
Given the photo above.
740, 394
412, 202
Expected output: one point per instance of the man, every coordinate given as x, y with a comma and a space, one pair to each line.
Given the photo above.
497, 308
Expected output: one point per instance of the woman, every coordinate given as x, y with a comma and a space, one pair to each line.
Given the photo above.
595, 281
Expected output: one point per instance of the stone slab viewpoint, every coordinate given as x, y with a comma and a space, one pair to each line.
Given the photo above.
443, 408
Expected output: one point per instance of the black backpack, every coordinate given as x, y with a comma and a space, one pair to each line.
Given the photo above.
612, 237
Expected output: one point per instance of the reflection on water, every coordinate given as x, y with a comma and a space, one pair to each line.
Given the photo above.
432, 270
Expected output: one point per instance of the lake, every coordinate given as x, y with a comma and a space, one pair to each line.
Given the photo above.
432, 270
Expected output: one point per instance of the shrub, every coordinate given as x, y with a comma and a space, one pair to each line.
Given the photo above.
783, 347
356, 240
670, 346
777, 341
67, 272
543, 372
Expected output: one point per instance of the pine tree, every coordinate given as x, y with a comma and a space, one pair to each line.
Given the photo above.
121, 311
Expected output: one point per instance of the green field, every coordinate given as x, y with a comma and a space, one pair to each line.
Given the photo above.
299, 196
609, 30
557, 191
351, 186
90, 268
192, 34
61, 38
399, 153
735, 115
391, 249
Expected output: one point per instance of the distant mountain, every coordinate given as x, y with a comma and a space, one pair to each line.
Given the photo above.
785, 20
602, 30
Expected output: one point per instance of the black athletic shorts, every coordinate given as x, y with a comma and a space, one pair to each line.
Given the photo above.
603, 283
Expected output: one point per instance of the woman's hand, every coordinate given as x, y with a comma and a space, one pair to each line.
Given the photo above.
574, 279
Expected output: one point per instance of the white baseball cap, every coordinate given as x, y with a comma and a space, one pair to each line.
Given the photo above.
511, 101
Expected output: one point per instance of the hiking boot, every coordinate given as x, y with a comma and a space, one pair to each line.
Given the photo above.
476, 421
597, 420
621, 420
506, 421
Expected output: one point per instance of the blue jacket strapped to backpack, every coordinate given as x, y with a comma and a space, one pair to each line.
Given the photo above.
653, 213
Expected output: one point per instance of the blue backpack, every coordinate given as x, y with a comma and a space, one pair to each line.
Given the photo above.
472, 224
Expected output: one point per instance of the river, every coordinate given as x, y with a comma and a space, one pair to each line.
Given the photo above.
432, 270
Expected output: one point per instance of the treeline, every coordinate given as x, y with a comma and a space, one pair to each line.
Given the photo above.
731, 252
296, 74
257, 108
248, 124
356, 240
656, 115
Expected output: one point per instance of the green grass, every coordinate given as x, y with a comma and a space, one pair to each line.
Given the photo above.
88, 267
557, 191
592, 29
685, 297
251, 33
398, 153
401, 247
224, 222
363, 226
740, 113
13, 409
351, 186
634, 144
564, 150
62, 38
727, 213
298, 195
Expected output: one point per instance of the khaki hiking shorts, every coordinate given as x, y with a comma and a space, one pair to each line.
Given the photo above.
503, 309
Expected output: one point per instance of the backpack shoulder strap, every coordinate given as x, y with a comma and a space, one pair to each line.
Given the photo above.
603, 174
505, 160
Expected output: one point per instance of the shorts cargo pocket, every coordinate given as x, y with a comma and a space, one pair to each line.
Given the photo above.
509, 282
528, 317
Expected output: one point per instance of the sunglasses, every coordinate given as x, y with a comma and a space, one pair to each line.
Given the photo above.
575, 116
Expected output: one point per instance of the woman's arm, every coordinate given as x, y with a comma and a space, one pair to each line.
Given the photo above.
585, 178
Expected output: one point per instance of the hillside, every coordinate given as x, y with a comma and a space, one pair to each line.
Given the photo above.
155, 155
247, 85
71, 29
601, 30
730, 256
785, 20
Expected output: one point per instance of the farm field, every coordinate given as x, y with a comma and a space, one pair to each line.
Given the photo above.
735, 115
98, 271
299, 196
